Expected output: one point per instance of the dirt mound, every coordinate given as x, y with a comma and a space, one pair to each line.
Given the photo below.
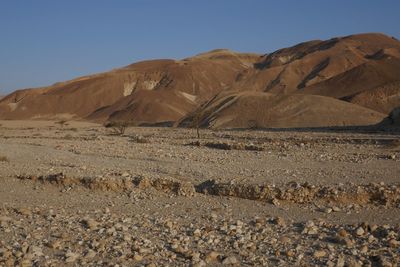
265, 110
373, 194
121, 184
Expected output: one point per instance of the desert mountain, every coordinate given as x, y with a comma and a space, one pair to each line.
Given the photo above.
363, 70
149, 91
352, 80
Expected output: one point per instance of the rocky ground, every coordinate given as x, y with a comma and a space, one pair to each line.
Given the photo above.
76, 195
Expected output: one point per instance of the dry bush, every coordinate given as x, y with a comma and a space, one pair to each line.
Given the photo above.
195, 143
117, 127
68, 137
4, 159
62, 123
197, 123
253, 125
139, 139
394, 144
253, 148
198, 119
227, 146
223, 146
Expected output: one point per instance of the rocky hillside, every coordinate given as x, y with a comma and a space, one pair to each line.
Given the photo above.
352, 80
150, 91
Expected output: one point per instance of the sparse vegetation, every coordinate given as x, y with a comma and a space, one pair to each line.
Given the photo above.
227, 146
198, 117
68, 137
223, 146
62, 123
394, 144
117, 127
139, 139
4, 159
196, 123
253, 124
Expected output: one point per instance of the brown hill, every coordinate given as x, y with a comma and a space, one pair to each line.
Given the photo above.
266, 110
348, 80
293, 69
368, 76
360, 69
150, 91
382, 98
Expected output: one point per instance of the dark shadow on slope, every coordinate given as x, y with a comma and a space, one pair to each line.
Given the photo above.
314, 73
157, 124
369, 129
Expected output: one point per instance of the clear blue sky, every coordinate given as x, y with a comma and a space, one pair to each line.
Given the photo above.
45, 41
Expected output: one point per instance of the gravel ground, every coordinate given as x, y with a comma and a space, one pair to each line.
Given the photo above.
76, 195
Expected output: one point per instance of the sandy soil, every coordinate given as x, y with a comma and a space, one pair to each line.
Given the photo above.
78, 195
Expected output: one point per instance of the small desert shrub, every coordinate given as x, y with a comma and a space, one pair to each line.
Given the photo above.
195, 143
253, 148
62, 123
117, 127
197, 119
394, 143
139, 139
223, 146
4, 159
226, 146
196, 123
68, 137
253, 125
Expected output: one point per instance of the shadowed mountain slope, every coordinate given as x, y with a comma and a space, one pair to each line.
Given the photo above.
266, 110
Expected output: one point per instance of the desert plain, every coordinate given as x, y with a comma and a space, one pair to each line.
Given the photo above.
77, 194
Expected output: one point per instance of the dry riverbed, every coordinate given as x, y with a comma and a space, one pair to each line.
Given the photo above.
76, 195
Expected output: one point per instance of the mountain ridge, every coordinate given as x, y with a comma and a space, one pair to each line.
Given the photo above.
356, 74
